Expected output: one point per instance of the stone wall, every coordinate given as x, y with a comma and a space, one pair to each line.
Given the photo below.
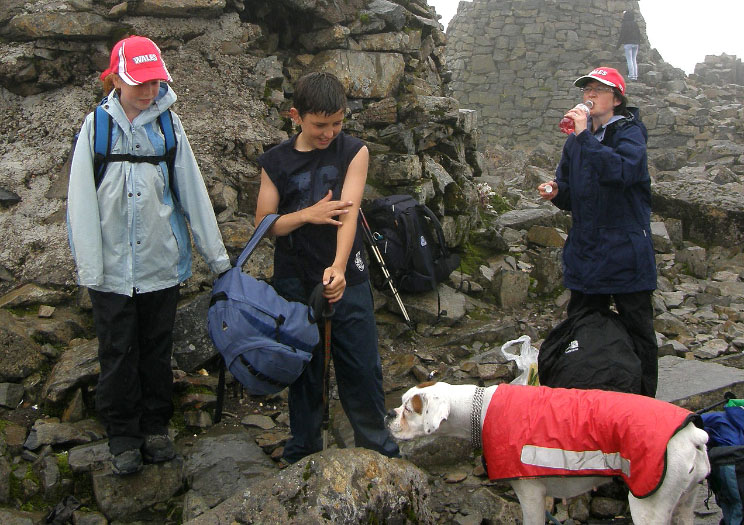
515, 61
233, 63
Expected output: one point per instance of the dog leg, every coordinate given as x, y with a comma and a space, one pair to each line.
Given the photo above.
531, 494
687, 465
684, 514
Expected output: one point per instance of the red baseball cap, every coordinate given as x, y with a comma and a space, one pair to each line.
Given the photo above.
605, 75
137, 60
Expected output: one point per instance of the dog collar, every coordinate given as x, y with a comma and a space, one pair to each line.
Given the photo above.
475, 427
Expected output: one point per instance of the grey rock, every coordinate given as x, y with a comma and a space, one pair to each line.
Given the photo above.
329, 38
89, 457
193, 505
340, 486
393, 14
493, 507
8, 198
510, 287
669, 325
48, 473
5, 471
525, 219
52, 432
395, 169
695, 259
76, 367
712, 348
121, 497
19, 356
263, 422
10, 394
364, 75
60, 25
192, 346
19, 517
29, 295
75, 410
422, 308
222, 455
182, 8
548, 237
197, 418
89, 518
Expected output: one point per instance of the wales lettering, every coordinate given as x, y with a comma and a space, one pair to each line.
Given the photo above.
144, 58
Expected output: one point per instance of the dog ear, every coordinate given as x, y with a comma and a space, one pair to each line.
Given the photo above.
435, 410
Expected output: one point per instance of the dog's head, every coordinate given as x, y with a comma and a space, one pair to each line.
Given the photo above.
424, 408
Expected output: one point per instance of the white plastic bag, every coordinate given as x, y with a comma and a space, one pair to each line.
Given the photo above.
526, 360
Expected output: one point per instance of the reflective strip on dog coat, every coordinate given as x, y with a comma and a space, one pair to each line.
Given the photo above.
539, 431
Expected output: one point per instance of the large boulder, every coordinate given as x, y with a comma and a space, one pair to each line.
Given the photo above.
342, 486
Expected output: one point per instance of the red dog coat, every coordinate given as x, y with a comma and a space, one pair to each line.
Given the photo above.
539, 431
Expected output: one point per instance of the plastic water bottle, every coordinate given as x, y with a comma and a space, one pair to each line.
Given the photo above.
567, 124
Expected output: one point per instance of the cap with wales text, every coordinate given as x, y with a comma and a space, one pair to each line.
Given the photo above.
137, 60
606, 75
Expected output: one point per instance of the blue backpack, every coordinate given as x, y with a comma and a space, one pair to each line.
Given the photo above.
103, 137
266, 341
726, 454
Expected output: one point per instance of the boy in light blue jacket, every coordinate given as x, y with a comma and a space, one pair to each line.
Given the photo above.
132, 249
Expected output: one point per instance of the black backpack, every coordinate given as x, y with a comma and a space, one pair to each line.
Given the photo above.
590, 349
410, 239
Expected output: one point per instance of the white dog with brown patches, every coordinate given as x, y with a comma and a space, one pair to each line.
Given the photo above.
652, 445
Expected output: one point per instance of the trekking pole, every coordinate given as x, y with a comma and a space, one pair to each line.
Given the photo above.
327, 314
727, 396
383, 267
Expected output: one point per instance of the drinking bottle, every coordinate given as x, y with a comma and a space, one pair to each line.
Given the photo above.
567, 124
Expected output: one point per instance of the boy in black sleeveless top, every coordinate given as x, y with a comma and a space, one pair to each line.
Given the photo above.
315, 181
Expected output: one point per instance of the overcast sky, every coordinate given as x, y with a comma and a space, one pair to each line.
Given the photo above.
683, 31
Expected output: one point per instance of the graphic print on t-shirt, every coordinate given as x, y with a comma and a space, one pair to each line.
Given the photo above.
299, 186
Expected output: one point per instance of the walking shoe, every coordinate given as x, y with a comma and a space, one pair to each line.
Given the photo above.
158, 448
127, 462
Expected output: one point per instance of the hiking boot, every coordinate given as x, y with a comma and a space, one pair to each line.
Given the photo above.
158, 448
127, 462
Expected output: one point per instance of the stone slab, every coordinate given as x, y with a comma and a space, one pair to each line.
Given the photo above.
694, 384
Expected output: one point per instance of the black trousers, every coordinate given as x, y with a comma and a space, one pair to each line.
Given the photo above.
358, 375
637, 315
134, 397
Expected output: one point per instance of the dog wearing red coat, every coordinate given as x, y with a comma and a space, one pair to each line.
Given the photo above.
564, 442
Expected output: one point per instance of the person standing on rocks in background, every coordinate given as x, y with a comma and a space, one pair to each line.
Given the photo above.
630, 39
315, 180
132, 250
603, 180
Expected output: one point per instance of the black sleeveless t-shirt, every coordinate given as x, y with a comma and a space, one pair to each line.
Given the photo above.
302, 179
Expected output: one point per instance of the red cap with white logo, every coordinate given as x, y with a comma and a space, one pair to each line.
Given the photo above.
137, 60
606, 75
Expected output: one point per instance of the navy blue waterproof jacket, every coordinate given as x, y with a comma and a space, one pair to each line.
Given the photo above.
606, 187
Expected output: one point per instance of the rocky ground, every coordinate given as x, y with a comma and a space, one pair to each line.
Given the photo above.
509, 286
242, 450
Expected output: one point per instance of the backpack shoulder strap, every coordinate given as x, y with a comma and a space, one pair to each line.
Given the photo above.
165, 119
436, 225
266, 223
102, 124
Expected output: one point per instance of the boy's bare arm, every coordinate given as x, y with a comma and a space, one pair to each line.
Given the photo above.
356, 177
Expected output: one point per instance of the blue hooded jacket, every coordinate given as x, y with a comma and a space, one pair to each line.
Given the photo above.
607, 188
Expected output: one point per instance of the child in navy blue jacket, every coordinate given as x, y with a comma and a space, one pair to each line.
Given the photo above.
603, 180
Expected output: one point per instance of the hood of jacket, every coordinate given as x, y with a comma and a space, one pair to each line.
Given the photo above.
165, 98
